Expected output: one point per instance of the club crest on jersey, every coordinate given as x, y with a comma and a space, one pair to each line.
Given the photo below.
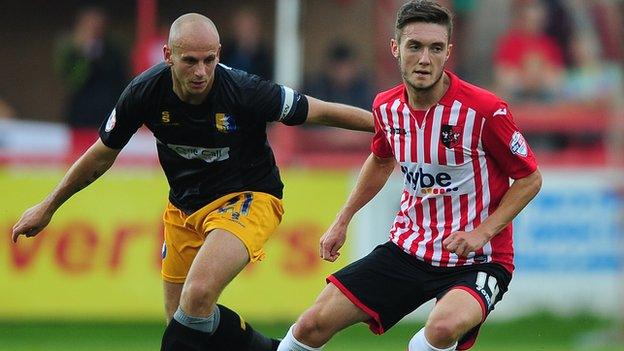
225, 123
518, 145
450, 135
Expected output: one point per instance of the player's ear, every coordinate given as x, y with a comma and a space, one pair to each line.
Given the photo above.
394, 48
448, 52
167, 54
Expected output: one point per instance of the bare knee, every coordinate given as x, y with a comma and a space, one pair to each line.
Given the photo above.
197, 299
441, 332
313, 328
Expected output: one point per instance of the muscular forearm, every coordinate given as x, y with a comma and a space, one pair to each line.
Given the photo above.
514, 200
339, 115
372, 178
95, 162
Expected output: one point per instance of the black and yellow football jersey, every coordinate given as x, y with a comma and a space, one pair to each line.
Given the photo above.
212, 149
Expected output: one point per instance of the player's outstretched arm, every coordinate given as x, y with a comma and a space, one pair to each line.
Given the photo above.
372, 178
89, 167
339, 115
521, 192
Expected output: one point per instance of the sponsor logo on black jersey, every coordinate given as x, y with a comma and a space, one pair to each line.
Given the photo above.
225, 123
166, 119
450, 135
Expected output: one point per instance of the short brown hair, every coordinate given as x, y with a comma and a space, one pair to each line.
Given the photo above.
423, 11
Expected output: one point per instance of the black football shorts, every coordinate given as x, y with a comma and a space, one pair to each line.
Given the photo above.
389, 283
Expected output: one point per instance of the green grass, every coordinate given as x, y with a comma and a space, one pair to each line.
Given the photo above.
536, 333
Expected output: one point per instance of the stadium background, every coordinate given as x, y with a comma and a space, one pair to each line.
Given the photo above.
91, 280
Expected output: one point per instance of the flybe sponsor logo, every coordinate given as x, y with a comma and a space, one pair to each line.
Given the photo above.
206, 154
225, 123
439, 183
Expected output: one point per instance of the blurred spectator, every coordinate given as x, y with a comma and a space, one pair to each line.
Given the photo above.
6, 111
591, 79
559, 27
246, 50
93, 69
343, 80
528, 63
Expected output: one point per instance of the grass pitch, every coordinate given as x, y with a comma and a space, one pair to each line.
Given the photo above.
535, 333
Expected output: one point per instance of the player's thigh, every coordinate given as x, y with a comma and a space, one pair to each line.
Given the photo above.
222, 256
332, 311
172, 292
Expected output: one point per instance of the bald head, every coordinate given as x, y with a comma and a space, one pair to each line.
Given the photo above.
192, 29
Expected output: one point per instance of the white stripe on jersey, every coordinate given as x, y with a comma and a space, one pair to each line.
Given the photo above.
408, 133
385, 121
435, 133
437, 241
472, 197
395, 124
487, 248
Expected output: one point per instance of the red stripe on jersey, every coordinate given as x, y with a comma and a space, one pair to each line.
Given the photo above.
413, 138
390, 123
405, 216
461, 121
433, 226
463, 221
476, 136
446, 114
476, 167
419, 224
428, 130
406, 234
448, 228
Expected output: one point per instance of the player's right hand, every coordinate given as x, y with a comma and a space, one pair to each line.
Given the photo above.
332, 241
32, 222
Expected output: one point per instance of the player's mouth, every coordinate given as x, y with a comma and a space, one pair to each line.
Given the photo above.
422, 74
198, 85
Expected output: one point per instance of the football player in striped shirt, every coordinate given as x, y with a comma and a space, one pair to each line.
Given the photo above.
210, 122
457, 147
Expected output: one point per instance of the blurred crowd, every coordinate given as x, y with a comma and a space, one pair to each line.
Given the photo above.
527, 51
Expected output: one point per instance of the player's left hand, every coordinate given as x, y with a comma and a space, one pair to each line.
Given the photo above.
463, 243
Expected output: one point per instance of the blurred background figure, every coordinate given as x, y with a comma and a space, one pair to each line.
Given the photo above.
93, 69
529, 64
591, 79
246, 49
342, 80
6, 110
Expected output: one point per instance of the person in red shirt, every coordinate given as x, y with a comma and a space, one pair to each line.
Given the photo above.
529, 64
457, 147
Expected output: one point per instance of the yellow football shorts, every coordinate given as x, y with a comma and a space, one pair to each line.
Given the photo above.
251, 216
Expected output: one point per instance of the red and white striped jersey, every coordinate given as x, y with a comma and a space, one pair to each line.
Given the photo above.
456, 159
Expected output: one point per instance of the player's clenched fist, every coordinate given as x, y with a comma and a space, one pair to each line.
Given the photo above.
332, 241
463, 243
